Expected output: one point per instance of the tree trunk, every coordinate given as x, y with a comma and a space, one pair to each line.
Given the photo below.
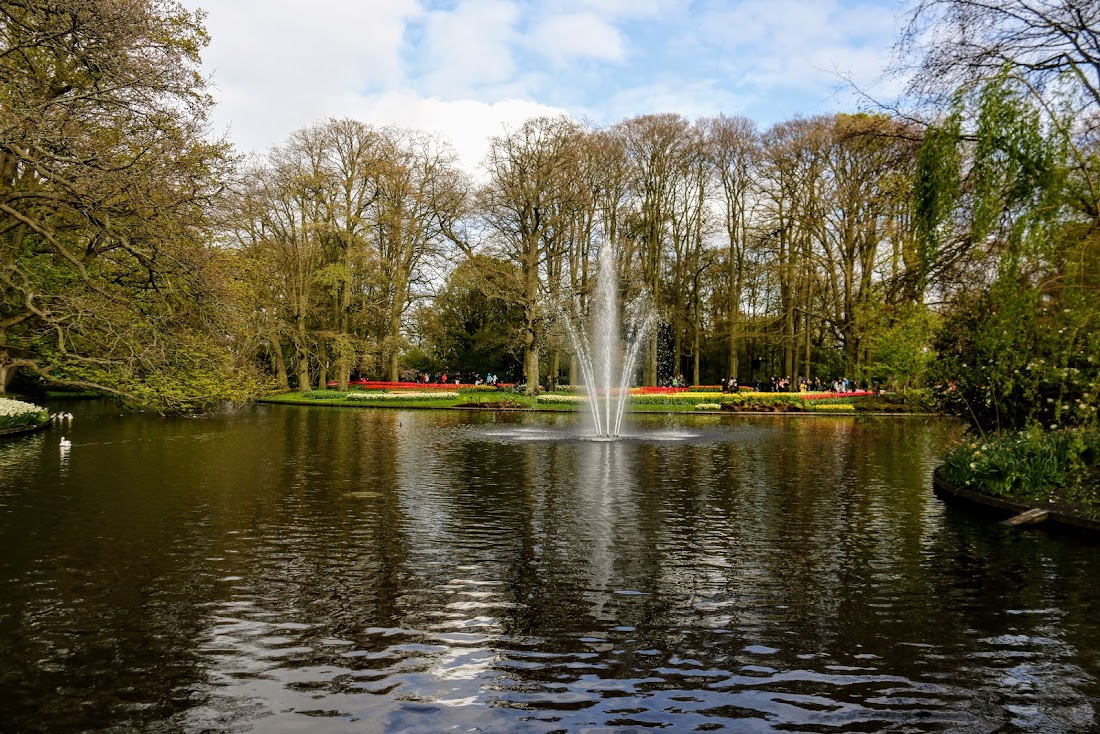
280, 361
302, 346
531, 363
734, 307
695, 348
555, 365
395, 332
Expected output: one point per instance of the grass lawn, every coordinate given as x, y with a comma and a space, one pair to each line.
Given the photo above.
504, 400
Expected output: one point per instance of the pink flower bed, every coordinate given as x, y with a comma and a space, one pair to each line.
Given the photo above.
820, 395
387, 385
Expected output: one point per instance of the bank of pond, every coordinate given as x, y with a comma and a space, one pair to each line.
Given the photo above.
644, 399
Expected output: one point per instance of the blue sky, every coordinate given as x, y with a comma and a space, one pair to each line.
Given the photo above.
470, 69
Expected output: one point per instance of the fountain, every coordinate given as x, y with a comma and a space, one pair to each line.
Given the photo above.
602, 348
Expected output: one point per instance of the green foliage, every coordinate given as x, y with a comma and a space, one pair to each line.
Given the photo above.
937, 184
900, 353
1021, 351
1010, 358
914, 400
1013, 164
471, 327
1033, 465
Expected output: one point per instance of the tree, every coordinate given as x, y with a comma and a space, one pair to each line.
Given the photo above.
106, 179
1051, 45
472, 326
528, 203
1018, 343
732, 148
1051, 49
421, 197
659, 149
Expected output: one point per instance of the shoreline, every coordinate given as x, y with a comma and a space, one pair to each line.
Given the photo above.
1058, 516
274, 400
20, 430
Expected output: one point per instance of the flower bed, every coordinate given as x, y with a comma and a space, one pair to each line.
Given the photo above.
17, 414
380, 396
387, 385
1035, 465
708, 406
556, 399
680, 397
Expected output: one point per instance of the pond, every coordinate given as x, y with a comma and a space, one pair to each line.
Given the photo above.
332, 570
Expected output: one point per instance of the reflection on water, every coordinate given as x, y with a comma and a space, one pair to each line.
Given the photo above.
330, 570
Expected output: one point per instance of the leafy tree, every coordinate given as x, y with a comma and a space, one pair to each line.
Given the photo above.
472, 326
528, 205
106, 179
1018, 347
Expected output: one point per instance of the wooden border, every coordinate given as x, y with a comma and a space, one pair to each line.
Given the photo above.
1058, 516
19, 430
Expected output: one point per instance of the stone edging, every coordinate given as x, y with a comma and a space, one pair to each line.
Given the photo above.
1002, 507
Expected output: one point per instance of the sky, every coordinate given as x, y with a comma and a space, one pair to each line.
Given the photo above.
472, 69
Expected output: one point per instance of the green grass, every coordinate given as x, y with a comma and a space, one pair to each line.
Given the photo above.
340, 399
670, 403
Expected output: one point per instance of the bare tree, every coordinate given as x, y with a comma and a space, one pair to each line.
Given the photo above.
658, 148
528, 203
732, 146
421, 194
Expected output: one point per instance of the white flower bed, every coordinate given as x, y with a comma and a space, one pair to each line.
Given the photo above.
562, 399
16, 413
433, 395
708, 406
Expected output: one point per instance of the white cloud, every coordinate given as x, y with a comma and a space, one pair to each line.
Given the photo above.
467, 124
469, 47
619, 9
276, 68
804, 47
467, 68
563, 38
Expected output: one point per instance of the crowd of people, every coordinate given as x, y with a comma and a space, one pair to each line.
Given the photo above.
442, 378
783, 384
774, 384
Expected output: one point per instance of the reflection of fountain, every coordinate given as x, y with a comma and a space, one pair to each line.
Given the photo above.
602, 348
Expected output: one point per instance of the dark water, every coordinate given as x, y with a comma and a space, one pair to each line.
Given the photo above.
326, 570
